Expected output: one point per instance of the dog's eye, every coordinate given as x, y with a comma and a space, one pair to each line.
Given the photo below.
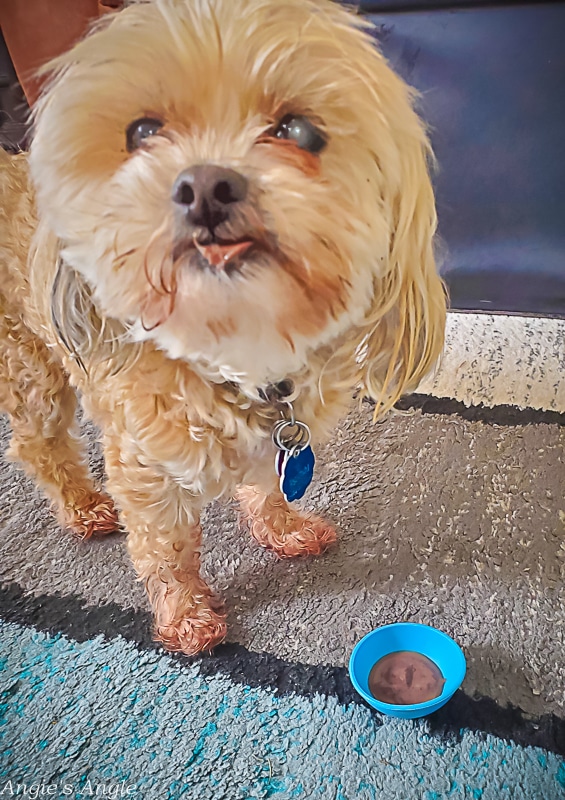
300, 130
140, 129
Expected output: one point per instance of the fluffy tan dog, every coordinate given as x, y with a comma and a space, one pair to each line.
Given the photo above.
226, 217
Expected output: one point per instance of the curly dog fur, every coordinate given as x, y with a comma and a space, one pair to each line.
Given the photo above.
310, 259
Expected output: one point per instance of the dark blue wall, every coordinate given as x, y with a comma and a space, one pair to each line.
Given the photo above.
493, 91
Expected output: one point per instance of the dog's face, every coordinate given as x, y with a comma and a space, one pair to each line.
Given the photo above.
240, 181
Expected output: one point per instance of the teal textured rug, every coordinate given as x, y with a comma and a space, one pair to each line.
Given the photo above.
103, 718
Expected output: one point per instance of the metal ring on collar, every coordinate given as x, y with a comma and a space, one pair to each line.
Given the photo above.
300, 437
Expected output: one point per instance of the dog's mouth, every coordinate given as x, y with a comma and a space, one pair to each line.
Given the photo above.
215, 253
219, 253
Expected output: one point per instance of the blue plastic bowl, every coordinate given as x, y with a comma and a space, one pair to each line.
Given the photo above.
436, 645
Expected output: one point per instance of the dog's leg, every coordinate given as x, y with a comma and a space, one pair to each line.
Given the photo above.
282, 529
41, 407
164, 537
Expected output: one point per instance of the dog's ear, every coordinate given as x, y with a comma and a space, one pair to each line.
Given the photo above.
95, 343
403, 332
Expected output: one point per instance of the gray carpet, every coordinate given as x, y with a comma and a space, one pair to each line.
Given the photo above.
453, 523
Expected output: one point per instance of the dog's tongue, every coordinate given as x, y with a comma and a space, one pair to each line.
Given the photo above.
218, 255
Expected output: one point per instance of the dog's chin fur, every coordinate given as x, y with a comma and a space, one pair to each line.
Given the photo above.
338, 292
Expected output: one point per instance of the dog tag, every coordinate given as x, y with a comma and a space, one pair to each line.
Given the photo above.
297, 470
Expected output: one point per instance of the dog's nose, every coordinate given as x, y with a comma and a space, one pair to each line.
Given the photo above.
206, 193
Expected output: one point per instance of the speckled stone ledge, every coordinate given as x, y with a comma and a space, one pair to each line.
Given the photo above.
502, 360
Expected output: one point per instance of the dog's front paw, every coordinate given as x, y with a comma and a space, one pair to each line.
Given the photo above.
281, 528
199, 633
188, 622
304, 535
96, 516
